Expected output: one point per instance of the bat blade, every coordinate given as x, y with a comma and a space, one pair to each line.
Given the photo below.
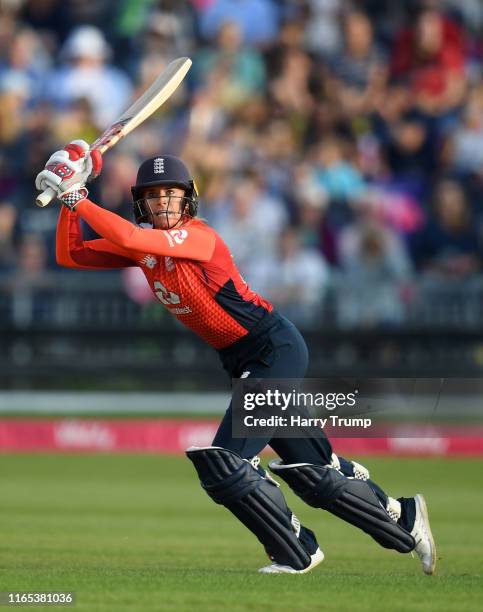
156, 95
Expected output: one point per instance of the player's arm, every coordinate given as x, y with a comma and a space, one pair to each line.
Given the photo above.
67, 171
73, 252
196, 243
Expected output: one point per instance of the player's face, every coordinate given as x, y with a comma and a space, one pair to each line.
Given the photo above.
166, 205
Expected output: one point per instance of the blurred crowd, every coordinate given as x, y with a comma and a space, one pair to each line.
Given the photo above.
337, 144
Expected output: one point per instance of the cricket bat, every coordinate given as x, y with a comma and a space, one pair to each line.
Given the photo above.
156, 95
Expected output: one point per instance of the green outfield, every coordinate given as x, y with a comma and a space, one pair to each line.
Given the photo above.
129, 533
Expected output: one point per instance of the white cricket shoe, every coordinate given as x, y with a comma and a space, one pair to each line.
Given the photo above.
425, 546
275, 568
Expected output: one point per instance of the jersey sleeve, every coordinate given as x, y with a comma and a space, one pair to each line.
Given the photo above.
73, 252
188, 242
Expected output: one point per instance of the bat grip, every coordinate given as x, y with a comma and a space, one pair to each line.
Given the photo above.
45, 197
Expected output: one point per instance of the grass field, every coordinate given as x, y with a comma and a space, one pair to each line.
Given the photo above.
129, 533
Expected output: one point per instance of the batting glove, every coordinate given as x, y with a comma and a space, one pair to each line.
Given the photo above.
68, 170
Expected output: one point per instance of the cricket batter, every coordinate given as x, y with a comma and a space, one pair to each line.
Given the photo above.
191, 272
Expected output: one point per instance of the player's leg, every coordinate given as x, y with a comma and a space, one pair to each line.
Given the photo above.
245, 447
283, 355
319, 452
257, 501
344, 488
230, 473
286, 530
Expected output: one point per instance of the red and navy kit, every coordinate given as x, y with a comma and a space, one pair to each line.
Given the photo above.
189, 269
191, 272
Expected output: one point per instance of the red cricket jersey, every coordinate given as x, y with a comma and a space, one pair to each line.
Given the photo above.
189, 269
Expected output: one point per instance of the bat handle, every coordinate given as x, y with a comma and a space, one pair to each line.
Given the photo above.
45, 197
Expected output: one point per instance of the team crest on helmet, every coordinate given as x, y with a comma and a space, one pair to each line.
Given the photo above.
149, 261
158, 165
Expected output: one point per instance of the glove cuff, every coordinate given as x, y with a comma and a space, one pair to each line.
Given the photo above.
72, 198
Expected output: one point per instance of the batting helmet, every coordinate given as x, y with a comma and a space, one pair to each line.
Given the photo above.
163, 170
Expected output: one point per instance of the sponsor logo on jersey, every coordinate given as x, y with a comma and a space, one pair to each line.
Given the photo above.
169, 264
180, 311
170, 299
149, 261
158, 165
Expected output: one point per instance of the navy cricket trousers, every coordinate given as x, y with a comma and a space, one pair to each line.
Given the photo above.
278, 350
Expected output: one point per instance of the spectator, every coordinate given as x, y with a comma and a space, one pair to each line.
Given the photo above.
290, 90
466, 147
431, 56
8, 214
336, 174
323, 31
411, 147
29, 281
278, 152
156, 36
250, 223
286, 117
28, 58
87, 75
207, 118
242, 67
448, 246
470, 11
374, 270
312, 203
360, 71
15, 92
258, 19
295, 280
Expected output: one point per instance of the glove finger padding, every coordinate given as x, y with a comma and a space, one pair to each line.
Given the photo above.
76, 149
46, 179
96, 160
81, 144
